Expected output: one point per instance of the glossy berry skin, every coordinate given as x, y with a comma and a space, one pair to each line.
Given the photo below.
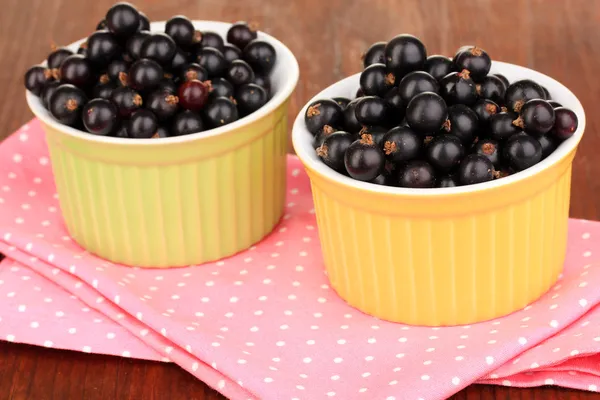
145, 75
115, 68
127, 100
475, 168
489, 148
438, 66
142, 125
548, 143
167, 85
546, 93
323, 112
193, 95
66, 104
260, 55
375, 80
404, 54
100, 117
48, 91
416, 82
193, 71
444, 152
104, 90
448, 181
240, 34
397, 106
264, 82
220, 111
239, 73
401, 144
333, 149
186, 122
182, 31
463, 123
76, 70
342, 101
179, 61
521, 92
213, 61
121, 132
501, 126
159, 47
554, 104
161, 132
492, 88
375, 54
417, 174
133, 46
324, 134
350, 123
212, 39
474, 59
250, 97
102, 48
458, 88
122, 19
221, 88
377, 133
536, 117
36, 78
56, 58
144, 24
231, 53
363, 159
566, 123
101, 25
485, 109
503, 79
426, 113
521, 152
163, 104
372, 110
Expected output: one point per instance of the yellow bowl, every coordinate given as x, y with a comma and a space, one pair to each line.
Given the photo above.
446, 256
181, 200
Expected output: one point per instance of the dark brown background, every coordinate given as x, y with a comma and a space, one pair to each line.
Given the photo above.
560, 38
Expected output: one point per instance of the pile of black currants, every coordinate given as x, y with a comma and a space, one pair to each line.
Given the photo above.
424, 122
128, 82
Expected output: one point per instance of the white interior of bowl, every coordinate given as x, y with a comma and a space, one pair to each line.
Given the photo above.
284, 78
303, 139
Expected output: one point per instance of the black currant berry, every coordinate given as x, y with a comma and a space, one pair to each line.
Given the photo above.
548, 143
372, 110
163, 104
416, 82
264, 82
179, 61
376, 81
102, 48
56, 58
127, 100
76, 70
239, 73
401, 144
350, 123
546, 93
167, 85
458, 88
536, 117
321, 113
101, 25
364, 160
114, 70
48, 91
333, 149
193, 71
342, 101
444, 152
103, 90
231, 53
324, 134
448, 181
144, 22
123, 19
220, 111
142, 124
475, 168
438, 66
161, 132
36, 78
241, 33
221, 87
121, 131
473, 59
375, 54
396, 104
554, 104
521, 92
565, 124
212, 39
417, 174
145, 74
382, 179
186, 122
489, 148
260, 55
462, 123
193, 95
485, 109
213, 61
521, 152
492, 88
182, 31
100, 117
404, 54
426, 113
250, 97
66, 104
359, 93
377, 133
503, 79
134, 44
159, 47
501, 126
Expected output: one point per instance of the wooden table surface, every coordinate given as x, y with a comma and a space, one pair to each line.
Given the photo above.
557, 37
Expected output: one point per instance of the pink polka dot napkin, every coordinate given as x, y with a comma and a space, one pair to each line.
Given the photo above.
265, 324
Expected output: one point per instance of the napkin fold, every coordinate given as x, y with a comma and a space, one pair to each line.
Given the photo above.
264, 324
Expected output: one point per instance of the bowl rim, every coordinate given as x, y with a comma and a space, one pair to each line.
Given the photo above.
302, 140
288, 61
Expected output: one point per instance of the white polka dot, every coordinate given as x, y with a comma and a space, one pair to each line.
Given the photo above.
48, 343
506, 382
34, 324
554, 323
456, 381
338, 360
489, 360
402, 340
425, 377
461, 346
110, 335
280, 343
587, 254
593, 388
575, 352
494, 376
549, 382
432, 337
258, 312
330, 394
254, 329
366, 374
10, 338
17, 158
459, 358
205, 299
87, 349
22, 308
428, 362
306, 360
522, 341
341, 341
369, 358
464, 336
400, 355
268, 380
293, 297
492, 341
31, 193
534, 365
583, 302
262, 298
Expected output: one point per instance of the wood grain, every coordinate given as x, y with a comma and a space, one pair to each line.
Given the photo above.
557, 37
